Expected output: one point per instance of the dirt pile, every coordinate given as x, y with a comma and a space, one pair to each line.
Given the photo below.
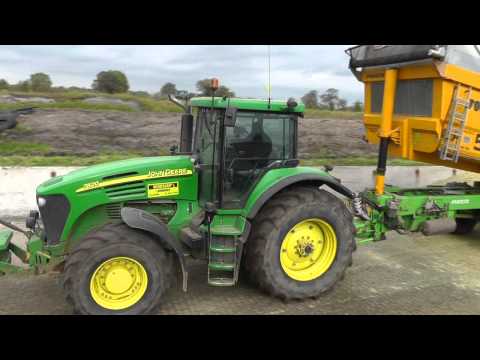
81, 132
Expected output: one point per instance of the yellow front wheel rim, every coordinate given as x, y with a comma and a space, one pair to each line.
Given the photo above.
308, 250
118, 283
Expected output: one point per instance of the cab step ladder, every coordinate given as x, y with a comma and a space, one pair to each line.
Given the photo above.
224, 260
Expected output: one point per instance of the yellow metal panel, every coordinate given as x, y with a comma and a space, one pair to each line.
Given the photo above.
460, 75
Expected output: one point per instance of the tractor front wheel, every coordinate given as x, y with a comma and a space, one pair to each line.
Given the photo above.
117, 270
301, 244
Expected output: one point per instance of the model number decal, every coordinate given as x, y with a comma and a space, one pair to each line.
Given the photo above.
460, 202
163, 189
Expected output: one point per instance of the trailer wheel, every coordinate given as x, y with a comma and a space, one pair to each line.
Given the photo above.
465, 226
301, 244
7, 123
117, 270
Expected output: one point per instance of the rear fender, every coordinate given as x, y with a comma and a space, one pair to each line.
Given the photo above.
311, 179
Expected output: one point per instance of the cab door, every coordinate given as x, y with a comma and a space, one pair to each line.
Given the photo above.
207, 146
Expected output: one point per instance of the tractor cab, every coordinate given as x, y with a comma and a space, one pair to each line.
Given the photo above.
236, 141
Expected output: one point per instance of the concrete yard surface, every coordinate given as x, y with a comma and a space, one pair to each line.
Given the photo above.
406, 274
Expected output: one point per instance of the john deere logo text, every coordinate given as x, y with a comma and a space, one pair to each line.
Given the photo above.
169, 173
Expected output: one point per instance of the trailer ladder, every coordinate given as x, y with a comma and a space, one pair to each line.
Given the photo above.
458, 116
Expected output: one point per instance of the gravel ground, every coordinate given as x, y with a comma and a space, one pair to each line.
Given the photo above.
410, 274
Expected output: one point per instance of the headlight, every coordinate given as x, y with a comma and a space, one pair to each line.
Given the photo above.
41, 202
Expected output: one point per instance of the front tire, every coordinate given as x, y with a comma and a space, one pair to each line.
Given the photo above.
117, 270
301, 244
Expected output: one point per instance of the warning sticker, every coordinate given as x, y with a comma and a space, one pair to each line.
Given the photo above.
163, 189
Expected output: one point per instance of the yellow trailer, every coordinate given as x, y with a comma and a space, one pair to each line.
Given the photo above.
422, 103
435, 94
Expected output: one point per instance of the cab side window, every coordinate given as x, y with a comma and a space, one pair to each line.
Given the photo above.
257, 140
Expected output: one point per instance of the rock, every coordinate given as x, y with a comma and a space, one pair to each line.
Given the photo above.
9, 99
112, 101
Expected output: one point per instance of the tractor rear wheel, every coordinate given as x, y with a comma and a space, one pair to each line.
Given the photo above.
464, 226
301, 244
117, 270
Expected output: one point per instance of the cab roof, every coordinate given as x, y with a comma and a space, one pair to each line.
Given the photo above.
247, 104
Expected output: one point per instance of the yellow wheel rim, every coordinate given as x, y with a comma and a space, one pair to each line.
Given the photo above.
308, 250
118, 283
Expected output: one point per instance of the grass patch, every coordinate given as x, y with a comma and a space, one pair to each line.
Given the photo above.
357, 161
21, 129
19, 160
36, 160
9, 147
326, 114
74, 100
70, 104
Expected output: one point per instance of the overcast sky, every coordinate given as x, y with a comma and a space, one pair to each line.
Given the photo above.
294, 69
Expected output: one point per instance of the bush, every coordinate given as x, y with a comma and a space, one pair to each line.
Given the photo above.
40, 82
111, 82
23, 86
3, 84
168, 89
140, 93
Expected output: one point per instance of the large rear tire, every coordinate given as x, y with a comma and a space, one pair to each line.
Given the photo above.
464, 226
301, 244
117, 270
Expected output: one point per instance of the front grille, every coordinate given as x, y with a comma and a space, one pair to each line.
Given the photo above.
113, 211
121, 191
54, 216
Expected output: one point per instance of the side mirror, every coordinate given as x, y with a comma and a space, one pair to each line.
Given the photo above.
173, 149
328, 168
230, 117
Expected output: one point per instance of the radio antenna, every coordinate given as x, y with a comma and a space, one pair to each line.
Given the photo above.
269, 78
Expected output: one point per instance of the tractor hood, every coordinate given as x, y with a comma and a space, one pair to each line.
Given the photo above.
103, 175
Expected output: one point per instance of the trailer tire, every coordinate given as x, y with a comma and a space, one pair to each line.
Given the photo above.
464, 226
7, 123
142, 272
264, 264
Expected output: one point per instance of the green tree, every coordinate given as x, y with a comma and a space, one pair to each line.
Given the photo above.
310, 99
203, 86
111, 82
40, 82
3, 84
330, 98
357, 106
24, 86
342, 104
168, 89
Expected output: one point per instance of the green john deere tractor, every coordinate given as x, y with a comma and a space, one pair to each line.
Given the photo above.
233, 194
